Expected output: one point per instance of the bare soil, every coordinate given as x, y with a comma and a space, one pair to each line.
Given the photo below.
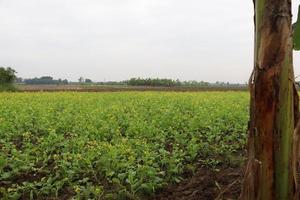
206, 184
107, 88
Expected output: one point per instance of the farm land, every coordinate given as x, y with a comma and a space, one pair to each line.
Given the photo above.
122, 145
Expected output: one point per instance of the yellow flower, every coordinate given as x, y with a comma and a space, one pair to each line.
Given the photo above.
76, 188
11, 189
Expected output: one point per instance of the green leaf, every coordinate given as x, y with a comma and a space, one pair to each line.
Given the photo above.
296, 35
5, 175
2, 162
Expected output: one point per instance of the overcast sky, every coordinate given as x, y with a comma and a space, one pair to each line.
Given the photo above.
120, 39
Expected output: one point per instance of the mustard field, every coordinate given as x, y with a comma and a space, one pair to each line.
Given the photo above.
123, 145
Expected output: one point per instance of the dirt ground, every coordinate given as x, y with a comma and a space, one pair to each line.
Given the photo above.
104, 88
206, 184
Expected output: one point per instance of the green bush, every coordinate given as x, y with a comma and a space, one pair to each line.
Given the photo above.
7, 87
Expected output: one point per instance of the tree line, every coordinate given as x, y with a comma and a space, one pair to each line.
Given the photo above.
49, 80
157, 82
153, 82
8, 77
45, 80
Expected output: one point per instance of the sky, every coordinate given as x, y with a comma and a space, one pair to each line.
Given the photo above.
108, 40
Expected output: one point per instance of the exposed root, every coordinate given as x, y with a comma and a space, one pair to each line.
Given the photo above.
219, 197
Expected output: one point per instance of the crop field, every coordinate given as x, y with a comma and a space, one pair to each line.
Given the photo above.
122, 145
120, 88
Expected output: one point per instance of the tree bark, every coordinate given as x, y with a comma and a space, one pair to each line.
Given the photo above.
273, 106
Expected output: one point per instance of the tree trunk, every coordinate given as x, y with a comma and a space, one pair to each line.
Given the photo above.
269, 173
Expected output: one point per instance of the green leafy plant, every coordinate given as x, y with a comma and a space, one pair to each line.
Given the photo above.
113, 146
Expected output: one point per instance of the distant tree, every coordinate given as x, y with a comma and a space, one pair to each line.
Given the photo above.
19, 80
65, 82
45, 80
88, 80
152, 82
7, 75
112, 83
81, 80
165, 82
7, 78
